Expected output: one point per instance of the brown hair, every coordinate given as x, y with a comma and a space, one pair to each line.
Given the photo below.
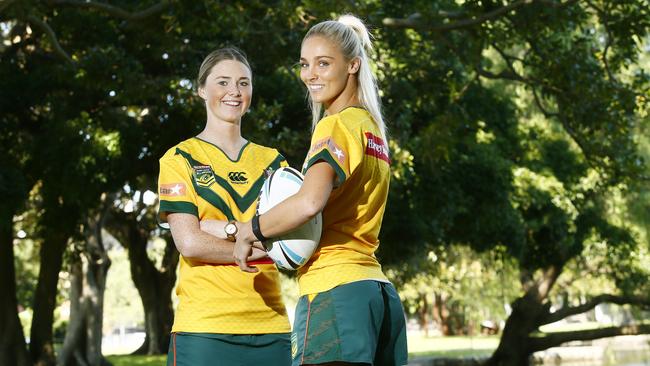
216, 56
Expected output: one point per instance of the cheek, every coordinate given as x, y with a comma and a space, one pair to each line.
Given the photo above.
304, 75
248, 95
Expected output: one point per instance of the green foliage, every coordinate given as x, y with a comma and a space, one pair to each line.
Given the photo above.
522, 135
472, 287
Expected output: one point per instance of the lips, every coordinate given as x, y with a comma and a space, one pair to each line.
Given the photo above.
232, 103
316, 87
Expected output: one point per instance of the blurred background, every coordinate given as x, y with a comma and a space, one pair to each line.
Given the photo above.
517, 224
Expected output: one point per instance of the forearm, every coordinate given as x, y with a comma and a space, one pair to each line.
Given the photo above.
198, 245
203, 247
214, 228
281, 219
289, 214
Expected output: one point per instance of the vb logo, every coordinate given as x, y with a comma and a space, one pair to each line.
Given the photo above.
238, 177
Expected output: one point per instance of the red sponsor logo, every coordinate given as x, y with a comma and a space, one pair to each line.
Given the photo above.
377, 147
172, 189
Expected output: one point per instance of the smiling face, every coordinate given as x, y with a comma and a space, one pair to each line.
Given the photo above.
227, 91
329, 77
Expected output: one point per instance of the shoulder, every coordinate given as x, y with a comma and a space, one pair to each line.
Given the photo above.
173, 152
264, 150
355, 117
351, 120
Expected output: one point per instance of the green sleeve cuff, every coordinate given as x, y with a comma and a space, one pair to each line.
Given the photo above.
325, 156
167, 207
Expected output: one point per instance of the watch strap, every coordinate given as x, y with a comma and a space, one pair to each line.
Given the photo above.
255, 225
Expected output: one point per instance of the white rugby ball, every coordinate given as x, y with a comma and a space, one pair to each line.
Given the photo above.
293, 249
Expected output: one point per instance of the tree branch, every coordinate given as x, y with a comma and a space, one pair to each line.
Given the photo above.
115, 11
556, 339
507, 75
52, 37
541, 107
605, 298
603, 15
415, 20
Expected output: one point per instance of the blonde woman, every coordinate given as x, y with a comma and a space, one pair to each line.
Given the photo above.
348, 312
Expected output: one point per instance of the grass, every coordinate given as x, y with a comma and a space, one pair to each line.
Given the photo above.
129, 360
450, 346
419, 346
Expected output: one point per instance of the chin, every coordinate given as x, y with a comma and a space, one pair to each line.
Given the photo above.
318, 98
232, 119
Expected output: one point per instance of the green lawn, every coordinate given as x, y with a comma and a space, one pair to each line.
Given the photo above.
128, 360
419, 346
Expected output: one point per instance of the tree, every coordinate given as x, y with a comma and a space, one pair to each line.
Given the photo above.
550, 186
134, 230
89, 267
12, 340
512, 126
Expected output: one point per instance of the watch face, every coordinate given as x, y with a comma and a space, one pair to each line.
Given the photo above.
230, 229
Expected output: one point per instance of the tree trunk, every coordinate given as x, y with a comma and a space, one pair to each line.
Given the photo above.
153, 285
83, 340
515, 348
155, 288
51, 253
442, 313
423, 314
13, 350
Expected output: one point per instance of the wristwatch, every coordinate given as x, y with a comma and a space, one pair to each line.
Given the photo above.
231, 230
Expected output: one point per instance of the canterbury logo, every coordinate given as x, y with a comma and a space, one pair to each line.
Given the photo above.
237, 177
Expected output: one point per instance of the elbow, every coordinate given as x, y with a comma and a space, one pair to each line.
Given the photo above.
185, 248
182, 248
311, 207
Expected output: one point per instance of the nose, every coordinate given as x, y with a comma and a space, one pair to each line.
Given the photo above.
233, 89
313, 72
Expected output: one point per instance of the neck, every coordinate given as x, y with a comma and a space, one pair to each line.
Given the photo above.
227, 136
347, 98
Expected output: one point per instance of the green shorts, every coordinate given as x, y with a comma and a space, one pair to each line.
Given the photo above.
359, 322
203, 349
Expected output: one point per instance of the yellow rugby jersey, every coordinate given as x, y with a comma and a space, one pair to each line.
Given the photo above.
197, 178
352, 144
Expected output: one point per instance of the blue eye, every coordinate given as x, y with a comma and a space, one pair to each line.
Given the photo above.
323, 63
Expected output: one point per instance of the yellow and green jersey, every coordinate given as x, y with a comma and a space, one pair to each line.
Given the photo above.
197, 178
351, 143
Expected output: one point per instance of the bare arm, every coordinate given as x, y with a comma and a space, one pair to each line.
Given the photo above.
290, 213
214, 227
198, 245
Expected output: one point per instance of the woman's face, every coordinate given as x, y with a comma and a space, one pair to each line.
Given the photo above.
228, 90
324, 69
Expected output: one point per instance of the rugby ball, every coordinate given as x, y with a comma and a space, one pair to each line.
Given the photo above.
293, 249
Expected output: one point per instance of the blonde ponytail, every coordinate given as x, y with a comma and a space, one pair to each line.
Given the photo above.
355, 41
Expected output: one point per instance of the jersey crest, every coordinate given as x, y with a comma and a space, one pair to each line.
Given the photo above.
203, 175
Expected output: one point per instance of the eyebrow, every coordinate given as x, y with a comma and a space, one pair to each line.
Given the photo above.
228, 77
317, 57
